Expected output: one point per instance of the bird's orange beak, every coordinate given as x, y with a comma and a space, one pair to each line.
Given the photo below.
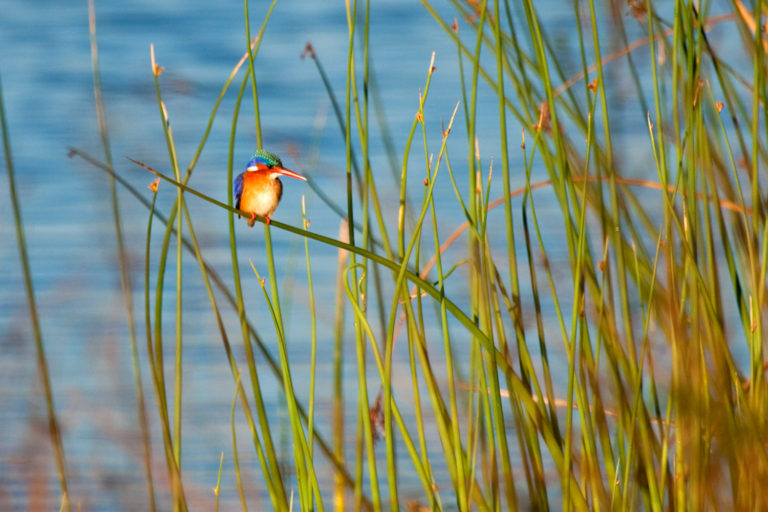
288, 172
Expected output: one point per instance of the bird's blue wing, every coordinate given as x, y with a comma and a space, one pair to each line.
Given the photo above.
238, 189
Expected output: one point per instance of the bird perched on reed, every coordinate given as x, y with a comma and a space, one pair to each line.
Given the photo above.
258, 190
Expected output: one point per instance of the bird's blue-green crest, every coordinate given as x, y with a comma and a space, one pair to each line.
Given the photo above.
265, 158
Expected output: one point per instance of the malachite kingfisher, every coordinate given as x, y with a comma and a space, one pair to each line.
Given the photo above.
258, 190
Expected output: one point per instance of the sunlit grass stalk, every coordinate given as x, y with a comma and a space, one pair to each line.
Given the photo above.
122, 256
365, 429
268, 458
155, 358
217, 489
474, 427
435, 502
757, 377
369, 192
372, 195
160, 387
227, 348
500, 445
416, 334
557, 449
661, 162
351, 12
54, 431
673, 405
313, 341
416, 337
416, 328
307, 479
596, 440
470, 112
171, 145
508, 218
576, 325
459, 470
236, 456
547, 405
251, 57
707, 329
367, 183
524, 117
614, 215
157, 349
402, 293
743, 224
511, 251
494, 451
480, 309
421, 470
369, 198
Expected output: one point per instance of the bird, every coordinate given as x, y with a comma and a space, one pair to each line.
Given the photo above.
258, 190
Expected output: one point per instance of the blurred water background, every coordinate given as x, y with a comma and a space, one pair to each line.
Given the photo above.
45, 67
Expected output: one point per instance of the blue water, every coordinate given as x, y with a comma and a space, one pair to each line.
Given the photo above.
45, 68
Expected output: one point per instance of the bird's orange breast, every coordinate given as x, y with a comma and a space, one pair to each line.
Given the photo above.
261, 193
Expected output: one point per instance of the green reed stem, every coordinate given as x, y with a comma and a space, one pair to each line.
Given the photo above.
462, 479
269, 465
156, 70
313, 341
363, 403
54, 431
252, 69
380, 364
159, 377
217, 489
235, 456
125, 276
307, 479
155, 353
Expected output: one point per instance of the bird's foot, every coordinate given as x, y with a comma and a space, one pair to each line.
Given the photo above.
269, 221
252, 220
